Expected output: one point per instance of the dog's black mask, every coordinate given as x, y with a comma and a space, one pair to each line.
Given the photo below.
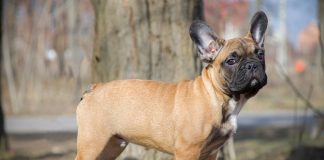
248, 77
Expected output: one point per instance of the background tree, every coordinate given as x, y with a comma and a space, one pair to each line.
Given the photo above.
146, 39
321, 28
4, 145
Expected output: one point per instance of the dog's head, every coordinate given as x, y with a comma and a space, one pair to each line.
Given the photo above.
238, 63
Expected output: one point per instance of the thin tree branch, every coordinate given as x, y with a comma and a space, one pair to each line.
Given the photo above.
321, 47
303, 126
301, 96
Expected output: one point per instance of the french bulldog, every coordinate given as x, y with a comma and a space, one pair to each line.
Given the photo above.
190, 119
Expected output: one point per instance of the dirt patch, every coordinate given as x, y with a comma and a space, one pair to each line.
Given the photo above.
53, 146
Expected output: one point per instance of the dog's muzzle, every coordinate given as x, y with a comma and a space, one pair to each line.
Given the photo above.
250, 76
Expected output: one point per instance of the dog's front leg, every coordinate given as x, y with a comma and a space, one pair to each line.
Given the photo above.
187, 153
186, 149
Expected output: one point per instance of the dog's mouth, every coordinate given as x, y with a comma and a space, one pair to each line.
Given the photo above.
254, 82
257, 82
252, 85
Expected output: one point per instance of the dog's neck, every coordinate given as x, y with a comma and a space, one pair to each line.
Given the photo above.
235, 104
213, 88
232, 103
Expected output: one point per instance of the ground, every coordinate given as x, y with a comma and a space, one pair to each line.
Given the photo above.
52, 146
250, 144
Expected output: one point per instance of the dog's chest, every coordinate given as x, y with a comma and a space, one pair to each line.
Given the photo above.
214, 141
234, 108
235, 105
216, 136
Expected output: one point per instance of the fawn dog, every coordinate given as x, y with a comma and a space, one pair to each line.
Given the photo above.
189, 119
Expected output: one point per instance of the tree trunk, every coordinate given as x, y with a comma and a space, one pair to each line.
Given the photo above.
145, 39
4, 145
321, 27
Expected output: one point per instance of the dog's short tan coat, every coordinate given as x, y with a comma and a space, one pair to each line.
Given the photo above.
184, 119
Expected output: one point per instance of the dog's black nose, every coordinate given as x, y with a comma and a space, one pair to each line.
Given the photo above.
251, 66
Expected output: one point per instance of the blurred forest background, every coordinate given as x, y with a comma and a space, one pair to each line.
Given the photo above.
53, 50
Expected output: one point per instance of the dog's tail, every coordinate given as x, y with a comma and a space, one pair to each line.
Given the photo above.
89, 90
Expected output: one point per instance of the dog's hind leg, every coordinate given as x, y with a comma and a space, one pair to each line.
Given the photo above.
90, 143
95, 139
100, 148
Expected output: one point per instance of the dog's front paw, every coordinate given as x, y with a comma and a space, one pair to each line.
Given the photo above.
230, 126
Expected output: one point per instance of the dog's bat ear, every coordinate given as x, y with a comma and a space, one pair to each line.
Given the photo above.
208, 44
259, 25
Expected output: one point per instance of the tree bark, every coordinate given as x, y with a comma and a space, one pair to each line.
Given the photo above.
4, 145
146, 39
321, 27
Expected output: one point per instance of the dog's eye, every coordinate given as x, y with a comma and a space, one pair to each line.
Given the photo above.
230, 61
260, 55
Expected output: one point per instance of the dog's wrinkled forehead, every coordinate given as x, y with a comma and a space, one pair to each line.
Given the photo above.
242, 46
